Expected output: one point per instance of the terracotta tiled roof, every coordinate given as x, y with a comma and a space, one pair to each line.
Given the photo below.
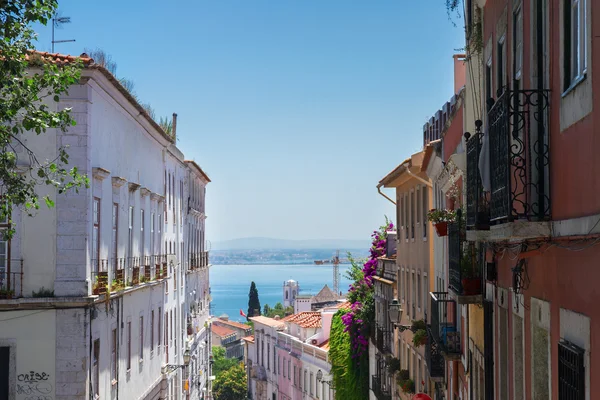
345, 305
248, 339
272, 322
64, 59
306, 319
222, 331
57, 58
233, 323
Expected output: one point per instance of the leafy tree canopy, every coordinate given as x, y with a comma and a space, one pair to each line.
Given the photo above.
231, 384
220, 362
30, 89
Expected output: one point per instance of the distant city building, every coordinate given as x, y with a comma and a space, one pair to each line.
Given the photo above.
228, 339
290, 291
325, 298
241, 331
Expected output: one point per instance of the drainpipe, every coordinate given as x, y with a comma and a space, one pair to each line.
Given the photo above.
384, 195
175, 127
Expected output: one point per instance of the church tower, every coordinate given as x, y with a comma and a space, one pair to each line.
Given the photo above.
290, 291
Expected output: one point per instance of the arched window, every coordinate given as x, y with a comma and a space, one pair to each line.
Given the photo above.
286, 294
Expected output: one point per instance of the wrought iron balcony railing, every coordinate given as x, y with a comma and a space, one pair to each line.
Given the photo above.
519, 156
383, 340
381, 392
464, 266
11, 278
478, 214
444, 329
435, 359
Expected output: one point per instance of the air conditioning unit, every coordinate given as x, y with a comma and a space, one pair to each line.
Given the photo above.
314, 342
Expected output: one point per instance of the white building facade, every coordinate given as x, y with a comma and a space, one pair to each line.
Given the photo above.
95, 288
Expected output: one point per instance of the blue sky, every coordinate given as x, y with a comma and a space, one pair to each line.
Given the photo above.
295, 108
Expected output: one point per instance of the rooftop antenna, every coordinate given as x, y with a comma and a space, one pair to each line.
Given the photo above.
336, 272
57, 22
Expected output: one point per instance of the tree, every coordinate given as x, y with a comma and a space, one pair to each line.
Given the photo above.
253, 301
267, 310
29, 84
220, 362
231, 385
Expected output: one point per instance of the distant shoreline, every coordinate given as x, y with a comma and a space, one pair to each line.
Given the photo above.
275, 263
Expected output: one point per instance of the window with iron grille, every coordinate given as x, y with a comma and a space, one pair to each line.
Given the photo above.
571, 372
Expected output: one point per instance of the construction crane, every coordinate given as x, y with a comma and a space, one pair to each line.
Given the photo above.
336, 273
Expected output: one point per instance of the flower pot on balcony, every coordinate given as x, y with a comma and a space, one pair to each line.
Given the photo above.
471, 286
136, 275
441, 228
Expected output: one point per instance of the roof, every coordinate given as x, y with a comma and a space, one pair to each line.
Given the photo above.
325, 295
306, 319
88, 62
248, 339
273, 323
345, 305
222, 331
304, 296
200, 170
395, 172
238, 325
429, 150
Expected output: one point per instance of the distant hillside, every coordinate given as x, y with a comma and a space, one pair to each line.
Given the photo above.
259, 243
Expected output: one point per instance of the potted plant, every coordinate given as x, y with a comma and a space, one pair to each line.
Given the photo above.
6, 294
420, 337
440, 220
393, 365
408, 386
471, 283
418, 324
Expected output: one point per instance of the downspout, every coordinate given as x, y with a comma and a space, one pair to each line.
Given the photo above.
384, 195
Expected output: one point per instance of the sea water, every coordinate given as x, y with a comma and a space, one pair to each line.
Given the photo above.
230, 284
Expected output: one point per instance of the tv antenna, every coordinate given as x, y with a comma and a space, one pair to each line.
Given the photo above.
336, 273
57, 22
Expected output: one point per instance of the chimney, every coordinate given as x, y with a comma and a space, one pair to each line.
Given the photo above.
175, 127
460, 77
326, 317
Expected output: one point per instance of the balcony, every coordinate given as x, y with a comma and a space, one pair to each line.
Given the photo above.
464, 267
383, 340
198, 260
100, 276
443, 328
435, 359
11, 278
519, 167
381, 392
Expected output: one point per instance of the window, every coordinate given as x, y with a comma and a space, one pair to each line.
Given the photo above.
152, 331
284, 365
278, 365
295, 376
312, 386
152, 239
575, 37
115, 231
425, 208
417, 205
289, 369
142, 238
518, 358
406, 221
113, 357
571, 371
128, 345
268, 358
166, 344
159, 326
141, 344
96, 233
518, 38
305, 381
130, 244
501, 78
96, 369
488, 81
412, 214
419, 291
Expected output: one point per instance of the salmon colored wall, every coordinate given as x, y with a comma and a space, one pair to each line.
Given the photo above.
453, 134
566, 279
574, 161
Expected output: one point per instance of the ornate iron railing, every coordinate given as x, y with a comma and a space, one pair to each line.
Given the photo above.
383, 339
454, 253
477, 207
381, 392
11, 278
435, 358
519, 156
443, 326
